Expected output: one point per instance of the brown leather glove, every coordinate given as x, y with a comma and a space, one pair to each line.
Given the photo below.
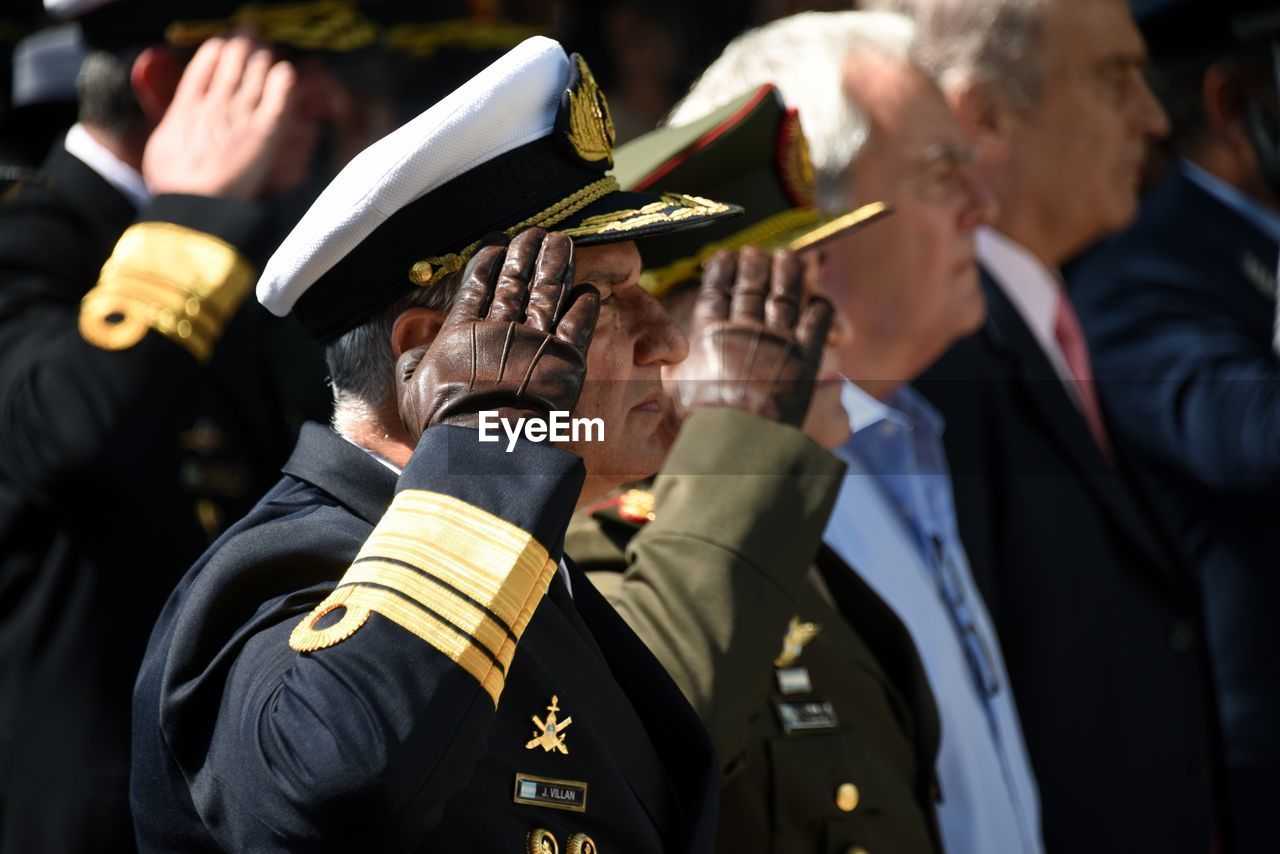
748, 350
516, 340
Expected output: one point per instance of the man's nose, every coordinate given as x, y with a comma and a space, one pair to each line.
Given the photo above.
658, 339
1152, 120
981, 207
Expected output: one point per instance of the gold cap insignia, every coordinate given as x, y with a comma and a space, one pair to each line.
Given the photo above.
795, 167
591, 130
548, 734
798, 634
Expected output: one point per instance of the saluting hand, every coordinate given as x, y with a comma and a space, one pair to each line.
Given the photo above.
221, 135
515, 342
755, 344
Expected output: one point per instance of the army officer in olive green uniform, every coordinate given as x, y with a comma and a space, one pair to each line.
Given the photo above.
809, 685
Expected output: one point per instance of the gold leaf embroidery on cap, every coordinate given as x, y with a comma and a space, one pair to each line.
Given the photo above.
430, 271
335, 25
591, 128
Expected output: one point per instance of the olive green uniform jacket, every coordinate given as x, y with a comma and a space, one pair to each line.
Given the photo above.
841, 759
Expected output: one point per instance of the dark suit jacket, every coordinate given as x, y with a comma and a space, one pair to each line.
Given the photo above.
1179, 314
1096, 613
383, 737
115, 467
710, 586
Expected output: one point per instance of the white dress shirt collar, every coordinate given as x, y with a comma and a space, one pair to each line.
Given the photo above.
1032, 288
113, 170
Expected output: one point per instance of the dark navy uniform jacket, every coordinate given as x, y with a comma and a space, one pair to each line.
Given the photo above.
383, 735
1179, 314
115, 466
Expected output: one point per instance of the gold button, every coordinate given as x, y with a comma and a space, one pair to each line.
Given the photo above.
847, 797
857, 849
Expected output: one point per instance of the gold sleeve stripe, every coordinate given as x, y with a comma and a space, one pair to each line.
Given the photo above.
469, 619
484, 558
444, 585
361, 600
180, 282
461, 579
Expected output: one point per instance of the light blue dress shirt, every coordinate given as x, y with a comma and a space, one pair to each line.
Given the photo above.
894, 522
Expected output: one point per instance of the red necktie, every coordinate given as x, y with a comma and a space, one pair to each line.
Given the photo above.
1066, 329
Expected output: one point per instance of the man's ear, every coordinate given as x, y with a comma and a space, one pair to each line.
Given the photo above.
154, 77
987, 119
1225, 95
415, 327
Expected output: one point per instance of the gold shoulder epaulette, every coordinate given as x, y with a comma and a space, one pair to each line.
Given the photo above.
182, 283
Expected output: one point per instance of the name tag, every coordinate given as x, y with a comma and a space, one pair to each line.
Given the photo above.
806, 715
556, 794
794, 680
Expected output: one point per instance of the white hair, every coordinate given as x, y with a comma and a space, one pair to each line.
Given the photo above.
803, 56
994, 42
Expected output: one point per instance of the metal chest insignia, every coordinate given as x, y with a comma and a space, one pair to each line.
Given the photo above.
541, 841
798, 634
549, 733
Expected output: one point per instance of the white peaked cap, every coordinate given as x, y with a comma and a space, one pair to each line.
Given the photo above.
511, 102
522, 98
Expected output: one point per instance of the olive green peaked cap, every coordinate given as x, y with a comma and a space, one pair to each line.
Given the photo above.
751, 152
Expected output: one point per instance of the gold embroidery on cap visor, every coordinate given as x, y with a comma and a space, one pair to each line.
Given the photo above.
673, 207
464, 581
334, 25
796, 229
182, 283
423, 40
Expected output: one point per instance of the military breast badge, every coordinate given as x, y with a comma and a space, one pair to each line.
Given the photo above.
798, 634
549, 734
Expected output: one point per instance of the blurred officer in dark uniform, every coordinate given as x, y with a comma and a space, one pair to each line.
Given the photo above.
19, 19
388, 652
126, 444
810, 686
1178, 311
44, 99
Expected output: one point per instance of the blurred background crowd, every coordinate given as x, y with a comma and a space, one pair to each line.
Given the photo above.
1112, 422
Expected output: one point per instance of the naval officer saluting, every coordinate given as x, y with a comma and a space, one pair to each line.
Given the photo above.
388, 653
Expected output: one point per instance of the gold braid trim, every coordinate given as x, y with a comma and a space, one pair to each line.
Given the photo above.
426, 39
182, 283
335, 25
765, 233
430, 270
859, 216
769, 233
461, 579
